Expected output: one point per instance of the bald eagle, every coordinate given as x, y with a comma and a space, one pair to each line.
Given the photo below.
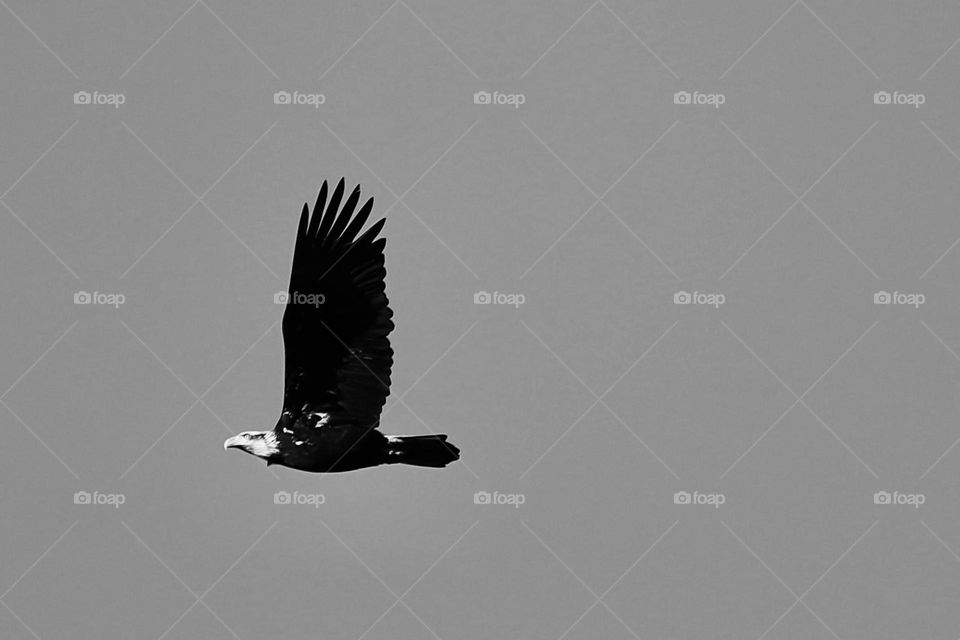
336, 327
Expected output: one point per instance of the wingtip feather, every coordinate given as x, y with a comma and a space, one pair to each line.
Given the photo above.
318, 210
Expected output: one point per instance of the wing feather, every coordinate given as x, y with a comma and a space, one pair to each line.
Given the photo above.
337, 353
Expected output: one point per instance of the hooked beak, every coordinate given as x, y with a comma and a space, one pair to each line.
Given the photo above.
234, 442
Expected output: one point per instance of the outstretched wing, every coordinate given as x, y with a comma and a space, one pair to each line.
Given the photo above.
337, 319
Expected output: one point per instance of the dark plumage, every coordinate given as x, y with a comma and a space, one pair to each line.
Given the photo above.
337, 352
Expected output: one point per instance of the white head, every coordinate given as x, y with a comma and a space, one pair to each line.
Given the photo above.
262, 444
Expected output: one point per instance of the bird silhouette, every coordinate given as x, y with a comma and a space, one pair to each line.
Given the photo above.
338, 359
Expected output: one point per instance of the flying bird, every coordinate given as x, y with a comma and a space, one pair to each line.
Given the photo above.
336, 327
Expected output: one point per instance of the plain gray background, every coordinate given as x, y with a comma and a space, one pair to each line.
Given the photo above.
597, 400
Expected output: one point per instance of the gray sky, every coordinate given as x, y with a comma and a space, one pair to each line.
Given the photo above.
678, 279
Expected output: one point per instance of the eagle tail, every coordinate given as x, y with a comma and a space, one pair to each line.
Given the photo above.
422, 451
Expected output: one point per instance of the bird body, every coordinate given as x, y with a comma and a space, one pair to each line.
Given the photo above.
337, 353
